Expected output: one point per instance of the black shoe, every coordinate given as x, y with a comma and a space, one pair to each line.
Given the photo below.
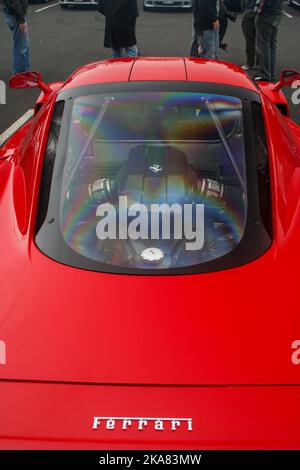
223, 46
231, 16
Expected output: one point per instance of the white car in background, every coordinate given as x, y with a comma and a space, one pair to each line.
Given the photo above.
184, 4
67, 3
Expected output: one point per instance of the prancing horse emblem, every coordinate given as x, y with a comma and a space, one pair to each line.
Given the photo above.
156, 168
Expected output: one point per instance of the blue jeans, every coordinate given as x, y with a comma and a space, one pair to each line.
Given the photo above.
21, 45
131, 51
209, 44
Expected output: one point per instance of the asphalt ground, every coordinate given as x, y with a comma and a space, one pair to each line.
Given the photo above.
61, 40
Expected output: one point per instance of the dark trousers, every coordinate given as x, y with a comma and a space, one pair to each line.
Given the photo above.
194, 42
266, 43
249, 31
194, 46
223, 25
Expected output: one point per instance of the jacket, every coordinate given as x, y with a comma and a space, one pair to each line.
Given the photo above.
270, 7
205, 14
250, 5
16, 8
120, 20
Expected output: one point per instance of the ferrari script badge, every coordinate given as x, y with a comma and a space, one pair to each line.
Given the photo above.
125, 423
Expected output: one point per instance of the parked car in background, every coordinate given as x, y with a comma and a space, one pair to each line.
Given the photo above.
151, 4
70, 3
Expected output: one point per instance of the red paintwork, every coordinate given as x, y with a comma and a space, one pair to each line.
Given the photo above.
119, 345
210, 71
156, 68
29, 80
276, 96
116, 70
60, 416
43, 97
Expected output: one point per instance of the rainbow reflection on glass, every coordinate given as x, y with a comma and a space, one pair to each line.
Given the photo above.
155, 149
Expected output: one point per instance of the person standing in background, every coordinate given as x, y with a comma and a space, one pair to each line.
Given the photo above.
223, 16
120, 21
268, 15
206, 25
15, 12
249, 31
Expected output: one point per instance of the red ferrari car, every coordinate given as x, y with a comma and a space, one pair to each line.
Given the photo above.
149, 248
